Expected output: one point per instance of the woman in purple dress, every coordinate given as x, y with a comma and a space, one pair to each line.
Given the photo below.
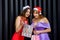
41, 25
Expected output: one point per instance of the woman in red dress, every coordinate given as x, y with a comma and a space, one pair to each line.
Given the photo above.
19, 24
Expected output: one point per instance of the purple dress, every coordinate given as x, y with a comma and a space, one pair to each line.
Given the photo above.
42, 26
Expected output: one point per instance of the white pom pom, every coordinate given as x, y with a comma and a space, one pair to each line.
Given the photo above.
35, 9
40, 13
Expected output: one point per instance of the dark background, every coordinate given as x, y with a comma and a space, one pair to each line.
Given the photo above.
10, 9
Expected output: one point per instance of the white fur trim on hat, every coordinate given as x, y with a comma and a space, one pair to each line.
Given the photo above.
35, 9
26, 7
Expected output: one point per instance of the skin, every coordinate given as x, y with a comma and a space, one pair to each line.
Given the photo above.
18, 24
36, 16
27, 13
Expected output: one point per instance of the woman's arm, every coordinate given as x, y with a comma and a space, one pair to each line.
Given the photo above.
42, 31
46, 30
18, 24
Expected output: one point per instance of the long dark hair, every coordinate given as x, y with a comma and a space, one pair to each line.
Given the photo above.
23, 12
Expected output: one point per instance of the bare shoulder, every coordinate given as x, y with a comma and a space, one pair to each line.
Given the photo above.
18, 17
45, 20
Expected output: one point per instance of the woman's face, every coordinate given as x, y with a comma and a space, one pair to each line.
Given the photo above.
36, 15
27, 14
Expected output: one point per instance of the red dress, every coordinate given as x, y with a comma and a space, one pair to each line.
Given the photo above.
17, 35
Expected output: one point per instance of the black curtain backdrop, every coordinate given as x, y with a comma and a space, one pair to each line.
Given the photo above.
10, 9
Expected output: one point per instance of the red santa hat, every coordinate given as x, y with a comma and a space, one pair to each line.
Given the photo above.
26, 7
39, 9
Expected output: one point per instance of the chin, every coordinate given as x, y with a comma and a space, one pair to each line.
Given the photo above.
27, 16
36, 17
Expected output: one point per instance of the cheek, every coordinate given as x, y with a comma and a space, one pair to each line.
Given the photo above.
27, 14
34, 14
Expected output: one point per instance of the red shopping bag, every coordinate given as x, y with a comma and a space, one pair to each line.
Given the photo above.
35, 37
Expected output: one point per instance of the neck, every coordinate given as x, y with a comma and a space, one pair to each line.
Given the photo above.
37, 18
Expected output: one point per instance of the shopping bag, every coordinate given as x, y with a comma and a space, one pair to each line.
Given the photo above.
35, 37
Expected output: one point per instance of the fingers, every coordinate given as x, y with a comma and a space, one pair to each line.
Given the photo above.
35, 32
